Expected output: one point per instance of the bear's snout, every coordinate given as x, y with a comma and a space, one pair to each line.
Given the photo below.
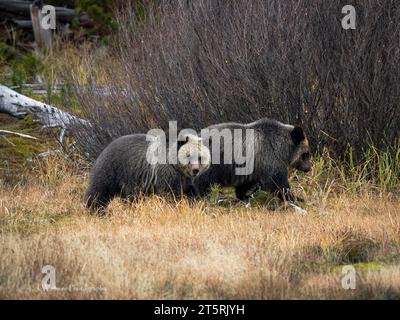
195, 169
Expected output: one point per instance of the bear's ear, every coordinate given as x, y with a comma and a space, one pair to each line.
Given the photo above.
297, 135
183, 142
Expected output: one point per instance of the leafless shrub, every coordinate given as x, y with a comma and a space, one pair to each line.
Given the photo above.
209, 61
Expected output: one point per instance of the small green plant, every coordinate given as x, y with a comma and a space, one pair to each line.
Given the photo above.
101, 12
17, 68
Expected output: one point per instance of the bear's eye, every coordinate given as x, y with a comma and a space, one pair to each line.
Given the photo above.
305, 156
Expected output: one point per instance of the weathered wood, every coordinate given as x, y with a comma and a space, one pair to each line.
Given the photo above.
43, 37
15, 6
38, 88
22, 135
22, 24
22, 9
18, 105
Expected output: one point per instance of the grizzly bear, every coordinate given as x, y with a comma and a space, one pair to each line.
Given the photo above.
129, 166
275, 148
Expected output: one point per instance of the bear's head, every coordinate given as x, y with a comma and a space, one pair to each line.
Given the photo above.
300, 159
193, 156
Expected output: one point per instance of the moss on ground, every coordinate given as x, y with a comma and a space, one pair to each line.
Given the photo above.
15, 150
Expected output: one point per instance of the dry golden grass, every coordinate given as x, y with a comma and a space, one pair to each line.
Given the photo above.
165, 250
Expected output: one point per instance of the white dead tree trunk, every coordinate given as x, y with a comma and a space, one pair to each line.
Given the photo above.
43, 37
18, 105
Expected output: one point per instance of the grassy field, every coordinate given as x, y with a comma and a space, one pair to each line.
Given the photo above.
159, 248
166, 250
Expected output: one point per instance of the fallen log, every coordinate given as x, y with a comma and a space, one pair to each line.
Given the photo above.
22, 9
22, 24
18, 105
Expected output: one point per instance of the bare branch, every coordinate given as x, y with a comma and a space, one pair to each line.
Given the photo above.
18, 134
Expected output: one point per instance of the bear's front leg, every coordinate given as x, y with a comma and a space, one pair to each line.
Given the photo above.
190, 189
278, 184
193, 191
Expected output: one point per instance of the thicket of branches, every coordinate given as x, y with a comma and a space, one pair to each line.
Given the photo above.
208, 61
